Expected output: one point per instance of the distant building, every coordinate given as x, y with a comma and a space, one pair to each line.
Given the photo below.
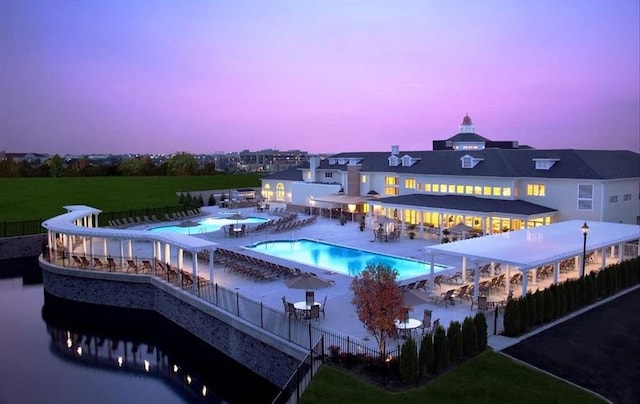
490, 186
270, 160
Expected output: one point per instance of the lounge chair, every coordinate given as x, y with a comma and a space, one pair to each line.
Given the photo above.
455, 278
445, 297
111, 264
482, 304
85, 262
98, 263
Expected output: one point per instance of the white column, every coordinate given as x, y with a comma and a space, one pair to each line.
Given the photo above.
431, 274
603, 258
534, 276
130, 249
525, 280
122, 253
167, 253
91, 250
84, 245
556, 272
620, 252
180, 258
507, 271
211, 253
195, 272
464, 269
493, 269
476, 284
105, 251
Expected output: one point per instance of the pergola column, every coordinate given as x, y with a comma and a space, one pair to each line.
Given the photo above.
603, 258
121, 253
195, 271
507, 271
525, 280
620, 252
476, 283
167, 253
464, 269
556, 272
534, 277
105, 251
180, 258
211, 252
91, 249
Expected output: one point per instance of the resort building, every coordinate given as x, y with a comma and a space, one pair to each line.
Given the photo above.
485, 186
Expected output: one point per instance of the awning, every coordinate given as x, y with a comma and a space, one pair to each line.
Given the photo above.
341, 198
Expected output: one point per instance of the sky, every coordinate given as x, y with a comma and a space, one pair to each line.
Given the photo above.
156, 76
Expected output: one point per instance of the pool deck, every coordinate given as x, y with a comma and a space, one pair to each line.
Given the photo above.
340, 313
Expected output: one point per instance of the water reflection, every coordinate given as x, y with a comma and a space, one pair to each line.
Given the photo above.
147, 345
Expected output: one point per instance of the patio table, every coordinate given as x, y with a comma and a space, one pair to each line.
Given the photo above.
406, 327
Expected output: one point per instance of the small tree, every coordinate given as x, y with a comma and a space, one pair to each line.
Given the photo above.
480, 321
426, 360
454, 335
441, 349
524, 314
378, 301
212, 200
181, 198
512, 318
409, 361
469, 337
200, 201
531, 304
539, 307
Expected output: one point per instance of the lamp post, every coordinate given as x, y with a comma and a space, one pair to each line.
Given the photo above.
585, 231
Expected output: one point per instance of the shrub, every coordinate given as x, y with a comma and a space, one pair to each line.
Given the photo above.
531, 304
512, 318
539, 308
181, 199
524, 314
480, 323
548, 304
454, 335
409, 361
426, 359
212, 200
188, 200
200, 201
469, 338
441, 349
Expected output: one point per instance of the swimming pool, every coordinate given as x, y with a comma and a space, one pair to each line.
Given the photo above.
207, 225
341, 259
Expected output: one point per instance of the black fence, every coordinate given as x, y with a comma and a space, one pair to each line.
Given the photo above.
34, 226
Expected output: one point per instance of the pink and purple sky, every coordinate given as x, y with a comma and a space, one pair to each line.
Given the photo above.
152, 76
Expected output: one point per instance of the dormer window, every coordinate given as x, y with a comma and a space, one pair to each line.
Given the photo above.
408, 161
393, 161
545, 164
470, 161
332, 161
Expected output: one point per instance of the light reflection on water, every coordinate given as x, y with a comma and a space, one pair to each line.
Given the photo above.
341, 259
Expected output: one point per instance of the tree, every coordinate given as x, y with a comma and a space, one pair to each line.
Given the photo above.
409, 361
378, 301
212, 200
469, 337
454, 335
55, 166
480, 321
130, 166
426, 358
182, 163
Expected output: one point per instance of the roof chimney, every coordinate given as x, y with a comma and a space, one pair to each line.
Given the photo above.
394, 150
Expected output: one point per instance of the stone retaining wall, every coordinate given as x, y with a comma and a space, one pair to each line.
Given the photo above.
21, 246
272, 358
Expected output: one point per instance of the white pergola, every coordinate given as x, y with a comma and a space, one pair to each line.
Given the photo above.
81, 221
534, 247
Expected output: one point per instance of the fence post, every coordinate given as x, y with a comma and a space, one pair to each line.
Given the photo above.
238, 303
216, 293
261, 316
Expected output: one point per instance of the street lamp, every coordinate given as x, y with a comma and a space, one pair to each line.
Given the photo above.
585, 231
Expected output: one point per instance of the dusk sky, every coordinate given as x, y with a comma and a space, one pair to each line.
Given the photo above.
138, 76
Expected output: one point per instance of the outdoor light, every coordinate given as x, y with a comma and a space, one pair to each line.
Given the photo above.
585, 231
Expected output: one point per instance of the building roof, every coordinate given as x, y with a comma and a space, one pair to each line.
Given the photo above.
512, 163
468, 138
467, 203
531, 248
290, 174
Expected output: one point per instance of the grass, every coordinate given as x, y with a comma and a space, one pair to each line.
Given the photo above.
40, 198
488, 378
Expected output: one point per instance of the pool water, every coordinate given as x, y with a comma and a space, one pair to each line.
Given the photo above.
341, 259
208, 225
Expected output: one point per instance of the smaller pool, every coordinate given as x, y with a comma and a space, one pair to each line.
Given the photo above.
208, 225
341, 259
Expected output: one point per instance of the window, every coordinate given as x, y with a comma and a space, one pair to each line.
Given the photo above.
267, 192
535, 190
451, 189
459, 189
427, 187
626, 197
308, 175
487, 191
468, 189
443, 188
390, 191
467, 162
391, 181
328, 175
419, 187
436, 188
280, 192
613, 199
477, 190
497, 191
410, 183
506, 191
363, 178
585, 197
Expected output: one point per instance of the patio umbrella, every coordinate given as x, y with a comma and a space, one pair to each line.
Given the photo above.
385, 219
412, 297
307, 281
237, 217
460, 228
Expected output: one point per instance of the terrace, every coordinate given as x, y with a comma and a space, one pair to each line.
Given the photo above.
340, 317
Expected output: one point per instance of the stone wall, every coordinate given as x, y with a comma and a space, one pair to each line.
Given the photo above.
266, 355
22, 246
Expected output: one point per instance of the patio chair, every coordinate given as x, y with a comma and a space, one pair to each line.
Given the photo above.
314, 313
291, 310
426, 321
445, 297
98, 263
77, 261
132, 265
85, 261
482, 304
111, 264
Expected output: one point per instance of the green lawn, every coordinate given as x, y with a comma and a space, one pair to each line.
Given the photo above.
488, 378
40, 198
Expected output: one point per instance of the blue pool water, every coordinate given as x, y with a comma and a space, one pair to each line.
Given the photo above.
344, 260
207, 225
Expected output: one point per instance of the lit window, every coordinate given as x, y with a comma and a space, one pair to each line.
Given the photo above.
427, 187
497, 191
267, 192
410, 183
585, 197
390, 191
506, 191
468, 189
487, 191
451, 189
391, 180
436, 188
443, 188
280, 192
459, 189
477, 190
363, 178
535, 189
